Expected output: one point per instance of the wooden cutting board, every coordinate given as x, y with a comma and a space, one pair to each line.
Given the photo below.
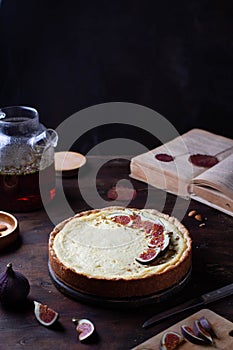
221, 326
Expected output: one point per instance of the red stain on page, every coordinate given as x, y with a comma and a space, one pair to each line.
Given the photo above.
203, 160
164, 157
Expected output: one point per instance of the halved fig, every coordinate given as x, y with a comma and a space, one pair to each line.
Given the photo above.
136, 221
170, 341
201, 332
157, 229
189, 334
207, 326
160, 241
122, 219
44, 314
84, 327
147, 226
148, 256
152, 228
119, 213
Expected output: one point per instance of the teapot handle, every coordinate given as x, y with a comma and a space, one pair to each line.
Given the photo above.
49, 137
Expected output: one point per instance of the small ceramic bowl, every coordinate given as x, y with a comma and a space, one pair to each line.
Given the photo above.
68, 163
8, 229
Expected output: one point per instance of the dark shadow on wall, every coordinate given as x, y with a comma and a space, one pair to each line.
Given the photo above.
175, 58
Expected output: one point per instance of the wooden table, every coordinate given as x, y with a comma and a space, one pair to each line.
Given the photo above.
117, 327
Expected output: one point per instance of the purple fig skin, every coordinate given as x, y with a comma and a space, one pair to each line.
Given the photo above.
3, 283
207, 326
201, 332
14, 286
188, 334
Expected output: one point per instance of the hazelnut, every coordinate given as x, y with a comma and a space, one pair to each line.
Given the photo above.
192, 213
198, 217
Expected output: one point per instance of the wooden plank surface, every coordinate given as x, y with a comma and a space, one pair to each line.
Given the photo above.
118, 329
221, 326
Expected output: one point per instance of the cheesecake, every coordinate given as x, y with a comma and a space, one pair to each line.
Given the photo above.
118, 252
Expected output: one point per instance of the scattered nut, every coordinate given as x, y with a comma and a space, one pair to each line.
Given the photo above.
192, 213
198, 217
3, 227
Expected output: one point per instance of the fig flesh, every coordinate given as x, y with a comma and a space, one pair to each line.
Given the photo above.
122, 219
84, 327
148, 256
189, 334
170, 341
202, 332
45, 315
160, 241
158, 246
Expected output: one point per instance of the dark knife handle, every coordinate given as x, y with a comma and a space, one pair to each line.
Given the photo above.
218, 294
177, 310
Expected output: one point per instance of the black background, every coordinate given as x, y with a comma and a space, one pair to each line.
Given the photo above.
175, 57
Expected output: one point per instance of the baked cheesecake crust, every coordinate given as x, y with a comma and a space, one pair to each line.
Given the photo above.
148, 281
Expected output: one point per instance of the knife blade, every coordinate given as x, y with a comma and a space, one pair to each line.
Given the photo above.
202, 300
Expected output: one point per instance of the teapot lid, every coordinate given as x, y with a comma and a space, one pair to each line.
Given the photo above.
19, 120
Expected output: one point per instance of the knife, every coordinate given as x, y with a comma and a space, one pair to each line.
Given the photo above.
202, 300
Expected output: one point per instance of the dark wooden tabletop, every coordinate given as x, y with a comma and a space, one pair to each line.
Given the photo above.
119, 326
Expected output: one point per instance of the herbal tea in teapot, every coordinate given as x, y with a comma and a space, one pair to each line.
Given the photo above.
27, 174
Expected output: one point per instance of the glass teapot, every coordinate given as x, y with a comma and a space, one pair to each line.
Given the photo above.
27, 172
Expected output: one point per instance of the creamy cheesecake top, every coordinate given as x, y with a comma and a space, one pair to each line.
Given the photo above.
106, 243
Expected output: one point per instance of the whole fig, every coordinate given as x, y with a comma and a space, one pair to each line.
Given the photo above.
14, 286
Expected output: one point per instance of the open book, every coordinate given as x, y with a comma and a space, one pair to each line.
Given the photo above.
197, 164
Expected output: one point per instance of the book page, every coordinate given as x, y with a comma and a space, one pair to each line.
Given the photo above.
219, 177
214, 199
205, 142
176, 175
